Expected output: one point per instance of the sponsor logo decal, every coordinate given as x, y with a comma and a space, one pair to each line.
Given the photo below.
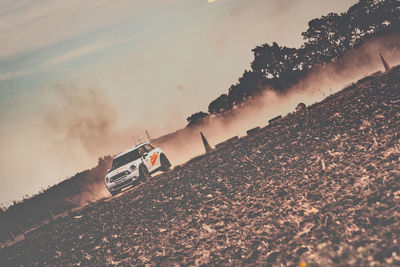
153, 158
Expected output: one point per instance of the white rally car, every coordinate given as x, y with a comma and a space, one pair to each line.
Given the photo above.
136, 163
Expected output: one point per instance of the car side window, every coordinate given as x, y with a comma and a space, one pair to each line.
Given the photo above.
141, 150
148, 147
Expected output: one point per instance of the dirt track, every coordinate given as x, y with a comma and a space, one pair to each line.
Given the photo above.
321, 188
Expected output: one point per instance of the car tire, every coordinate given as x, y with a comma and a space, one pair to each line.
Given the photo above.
165, 164
144, 173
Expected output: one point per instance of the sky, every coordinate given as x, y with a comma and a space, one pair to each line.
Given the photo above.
79, 76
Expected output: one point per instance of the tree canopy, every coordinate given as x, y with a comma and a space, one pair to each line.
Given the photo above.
197, 118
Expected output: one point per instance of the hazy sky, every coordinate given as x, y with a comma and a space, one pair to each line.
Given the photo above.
131, 65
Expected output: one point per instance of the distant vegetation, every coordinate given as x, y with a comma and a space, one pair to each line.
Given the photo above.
70, 193
326, 40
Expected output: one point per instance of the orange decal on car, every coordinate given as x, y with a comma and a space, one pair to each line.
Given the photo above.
153, 158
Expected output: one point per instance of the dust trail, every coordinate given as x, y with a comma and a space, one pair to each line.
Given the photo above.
185, 144
83, 125
81, 118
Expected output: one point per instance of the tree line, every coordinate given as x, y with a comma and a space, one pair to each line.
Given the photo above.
326, 40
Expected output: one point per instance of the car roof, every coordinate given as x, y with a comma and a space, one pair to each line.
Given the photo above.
131, 149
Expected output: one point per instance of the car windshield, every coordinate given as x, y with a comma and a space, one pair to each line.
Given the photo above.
124, 159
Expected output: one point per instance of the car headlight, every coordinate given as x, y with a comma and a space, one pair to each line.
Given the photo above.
133, 167
107, 179
127, 172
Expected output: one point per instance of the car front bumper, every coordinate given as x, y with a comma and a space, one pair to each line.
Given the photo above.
123, 181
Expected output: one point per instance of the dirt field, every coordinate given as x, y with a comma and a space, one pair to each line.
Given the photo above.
321, 187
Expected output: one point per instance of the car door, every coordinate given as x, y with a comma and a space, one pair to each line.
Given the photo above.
145, 157
154, 156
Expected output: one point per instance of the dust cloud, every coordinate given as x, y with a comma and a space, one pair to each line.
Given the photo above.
81, 118
80, 127
185, 144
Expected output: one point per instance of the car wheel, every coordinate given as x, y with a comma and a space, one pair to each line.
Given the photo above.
165, 164
144, 173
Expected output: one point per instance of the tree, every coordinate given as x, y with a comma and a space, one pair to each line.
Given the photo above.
249, 84
220, 105
372, 17
326, 39
272, 60
197, 118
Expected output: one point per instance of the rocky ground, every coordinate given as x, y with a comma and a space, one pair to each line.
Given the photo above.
322, 187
